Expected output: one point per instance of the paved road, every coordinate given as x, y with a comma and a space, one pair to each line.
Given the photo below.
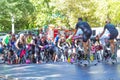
61, 71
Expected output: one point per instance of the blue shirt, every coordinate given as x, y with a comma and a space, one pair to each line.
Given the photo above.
56, 39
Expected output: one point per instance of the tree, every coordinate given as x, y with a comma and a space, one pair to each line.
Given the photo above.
73, 9
38, 13
108, 9
20, 9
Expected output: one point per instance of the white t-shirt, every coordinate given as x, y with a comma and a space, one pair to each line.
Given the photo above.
79, 31
105, 36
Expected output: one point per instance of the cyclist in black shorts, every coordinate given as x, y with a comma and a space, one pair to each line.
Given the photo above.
113, 34
85, 27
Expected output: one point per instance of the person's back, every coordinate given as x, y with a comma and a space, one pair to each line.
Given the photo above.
84, 26
111, 28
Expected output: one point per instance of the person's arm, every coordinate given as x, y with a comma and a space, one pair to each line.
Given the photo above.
26, 40
55, 40
103, 31
40, 46
16, 44
76, 28
32, 42
59, 43
69, 44
10, 44
46, 42
3, 41
75, 32
76, 43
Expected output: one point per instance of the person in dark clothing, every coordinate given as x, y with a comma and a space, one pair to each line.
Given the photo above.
113, 34
42, 42
85, 27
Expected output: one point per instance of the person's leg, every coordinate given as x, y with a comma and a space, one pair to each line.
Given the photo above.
1, 53
9, 57
56, 52
73, 53
18, 53
85, 46
112, 45
86, 43
16, 58
55, 58
19, 60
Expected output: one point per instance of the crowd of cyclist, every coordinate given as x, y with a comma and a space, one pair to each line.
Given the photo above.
28, 48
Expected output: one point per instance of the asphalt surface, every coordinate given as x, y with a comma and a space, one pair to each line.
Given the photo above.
61, 71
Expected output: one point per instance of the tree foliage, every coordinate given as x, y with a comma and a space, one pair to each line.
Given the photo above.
20, 9
38, 13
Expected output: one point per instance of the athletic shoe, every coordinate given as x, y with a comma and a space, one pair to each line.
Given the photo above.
113, 56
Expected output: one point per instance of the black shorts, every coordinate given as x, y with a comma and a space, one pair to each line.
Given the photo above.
113, 35
87, 35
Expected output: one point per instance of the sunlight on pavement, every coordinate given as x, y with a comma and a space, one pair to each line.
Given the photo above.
21, 68
41, 78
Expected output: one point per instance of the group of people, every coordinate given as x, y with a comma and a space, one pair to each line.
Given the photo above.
87, 32
30, 42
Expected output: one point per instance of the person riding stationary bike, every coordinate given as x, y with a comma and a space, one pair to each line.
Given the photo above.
85, 27
113, 34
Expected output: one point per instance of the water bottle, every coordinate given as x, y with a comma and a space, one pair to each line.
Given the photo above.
91, 57
62, 57
69, 59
